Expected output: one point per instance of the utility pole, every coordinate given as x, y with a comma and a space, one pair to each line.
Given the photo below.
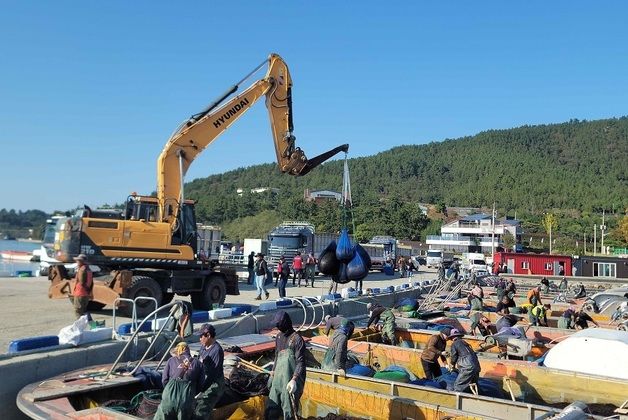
594, 240
602, 229
550, 232
493, 235
585, 244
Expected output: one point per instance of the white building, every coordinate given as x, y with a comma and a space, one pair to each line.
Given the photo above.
321, 195
474, 233
258, 190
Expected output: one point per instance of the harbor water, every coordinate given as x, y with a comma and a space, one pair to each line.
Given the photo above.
8, 268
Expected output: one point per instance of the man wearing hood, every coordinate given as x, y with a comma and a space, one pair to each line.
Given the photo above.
336, 357
378, 312
288, 375
182, 378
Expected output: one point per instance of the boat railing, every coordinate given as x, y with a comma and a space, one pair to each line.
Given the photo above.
133, 303
177, 309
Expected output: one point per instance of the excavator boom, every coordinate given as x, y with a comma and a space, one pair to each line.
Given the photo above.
203, 128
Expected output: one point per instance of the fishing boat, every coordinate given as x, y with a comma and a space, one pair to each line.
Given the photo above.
525, 381
16, 255
93, 392
535, 333
81, 396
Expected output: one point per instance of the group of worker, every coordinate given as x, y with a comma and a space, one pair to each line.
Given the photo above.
461, 358
301, 269
193, 386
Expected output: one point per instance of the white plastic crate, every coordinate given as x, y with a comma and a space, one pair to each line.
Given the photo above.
268, 306
97, 334
156, 324
348, 292
215, 314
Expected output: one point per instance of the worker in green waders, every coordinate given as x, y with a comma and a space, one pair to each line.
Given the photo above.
287, 379
378, 312
182, 378
212, 358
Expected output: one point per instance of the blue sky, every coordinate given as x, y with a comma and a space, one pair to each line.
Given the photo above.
90, 91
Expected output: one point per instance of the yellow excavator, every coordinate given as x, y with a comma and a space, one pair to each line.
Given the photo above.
149, 250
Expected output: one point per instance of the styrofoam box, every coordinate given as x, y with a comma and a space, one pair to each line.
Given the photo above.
268, 306
97, 334
219, 313
158, 323
348, 292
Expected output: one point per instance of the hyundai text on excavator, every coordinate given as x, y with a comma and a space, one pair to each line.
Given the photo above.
150, 249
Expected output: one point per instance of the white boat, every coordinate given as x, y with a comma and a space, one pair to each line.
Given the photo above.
16, 255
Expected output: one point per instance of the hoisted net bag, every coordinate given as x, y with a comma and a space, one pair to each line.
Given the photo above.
366, 258
357, 269
344, 249
328, 264
341, 277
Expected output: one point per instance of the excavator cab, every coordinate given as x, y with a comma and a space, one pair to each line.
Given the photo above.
141, 208
184, 231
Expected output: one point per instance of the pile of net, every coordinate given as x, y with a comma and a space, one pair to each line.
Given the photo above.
343, 261
143, 405
246, 382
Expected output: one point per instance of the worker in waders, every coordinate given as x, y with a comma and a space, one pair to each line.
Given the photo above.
435, 349
336, 358
182, 378
212, 358
538, 315
464, 359
566, 320
378, 312
288, 376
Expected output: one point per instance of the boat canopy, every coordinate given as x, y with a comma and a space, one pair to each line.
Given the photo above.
594, 351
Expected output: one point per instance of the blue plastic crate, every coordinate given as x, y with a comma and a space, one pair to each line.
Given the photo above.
32, 343
200, 316
240, 309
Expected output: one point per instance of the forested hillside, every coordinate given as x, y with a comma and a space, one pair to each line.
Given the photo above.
578, 165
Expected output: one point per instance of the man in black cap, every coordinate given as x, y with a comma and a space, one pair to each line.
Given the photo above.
212, 357
288, 375
261, 272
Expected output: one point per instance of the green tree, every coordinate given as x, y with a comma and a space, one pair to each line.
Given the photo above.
550, 223
509, 241
622, 229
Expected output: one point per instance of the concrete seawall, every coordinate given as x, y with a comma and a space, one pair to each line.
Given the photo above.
21, 370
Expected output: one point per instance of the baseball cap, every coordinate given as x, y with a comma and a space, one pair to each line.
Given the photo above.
208, 329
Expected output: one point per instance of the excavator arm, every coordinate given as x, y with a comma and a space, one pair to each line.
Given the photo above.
200, 130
